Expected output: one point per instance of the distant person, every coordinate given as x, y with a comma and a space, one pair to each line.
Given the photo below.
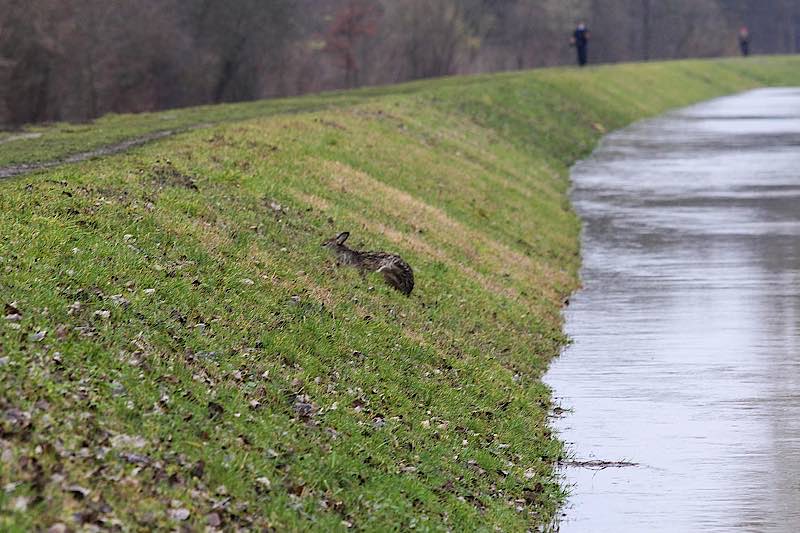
744, 41
580, 40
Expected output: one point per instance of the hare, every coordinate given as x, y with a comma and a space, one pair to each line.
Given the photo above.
395, 271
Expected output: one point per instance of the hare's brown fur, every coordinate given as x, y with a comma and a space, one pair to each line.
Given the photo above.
396, 272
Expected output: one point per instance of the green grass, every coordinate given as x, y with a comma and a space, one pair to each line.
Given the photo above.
188, 353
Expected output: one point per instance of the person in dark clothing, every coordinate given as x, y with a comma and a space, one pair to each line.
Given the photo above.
744, 41
580, 40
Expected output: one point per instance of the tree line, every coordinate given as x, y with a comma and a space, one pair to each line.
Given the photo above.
78, 59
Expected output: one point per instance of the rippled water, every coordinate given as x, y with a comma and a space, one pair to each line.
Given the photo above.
686, 357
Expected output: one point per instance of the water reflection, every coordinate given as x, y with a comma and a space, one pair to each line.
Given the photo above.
685, 355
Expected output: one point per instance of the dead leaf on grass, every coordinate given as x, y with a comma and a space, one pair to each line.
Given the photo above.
62, 331
77, 491
120, 300
20, 503
304, 407
12, 309
180, 514
127, 441
135, 458
215, 410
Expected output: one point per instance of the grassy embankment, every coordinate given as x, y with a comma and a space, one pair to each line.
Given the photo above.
186, 353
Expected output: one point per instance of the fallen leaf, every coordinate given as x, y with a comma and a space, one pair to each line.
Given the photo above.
77, 491
135, 458
120, 300
215, 410
198, 469
179, 514
20, 503
304, 407
127, 441
62, 331
18, 417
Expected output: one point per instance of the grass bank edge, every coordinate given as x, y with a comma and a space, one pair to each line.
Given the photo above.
186, 354
53, 142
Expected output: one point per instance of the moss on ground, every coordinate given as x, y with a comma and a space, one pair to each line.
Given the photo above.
177, 349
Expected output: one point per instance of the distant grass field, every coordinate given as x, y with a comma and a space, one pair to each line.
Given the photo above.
177, 350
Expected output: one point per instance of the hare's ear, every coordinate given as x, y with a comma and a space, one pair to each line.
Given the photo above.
342, 237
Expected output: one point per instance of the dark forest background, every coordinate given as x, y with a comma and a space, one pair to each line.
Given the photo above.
78, 59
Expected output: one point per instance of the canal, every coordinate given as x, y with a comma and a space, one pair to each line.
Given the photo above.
685, 357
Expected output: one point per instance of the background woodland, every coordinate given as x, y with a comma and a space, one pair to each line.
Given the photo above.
75, 60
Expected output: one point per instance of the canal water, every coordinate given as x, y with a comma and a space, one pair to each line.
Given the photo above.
686, 335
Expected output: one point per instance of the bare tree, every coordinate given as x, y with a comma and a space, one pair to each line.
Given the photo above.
78, 59
646, 37
357, 20
431, 34
236, 41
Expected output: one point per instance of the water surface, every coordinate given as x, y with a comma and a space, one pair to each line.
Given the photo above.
686, 357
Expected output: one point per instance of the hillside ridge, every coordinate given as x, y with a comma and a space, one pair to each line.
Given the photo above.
178, 351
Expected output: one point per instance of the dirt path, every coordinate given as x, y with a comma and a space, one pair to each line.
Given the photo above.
20, 137
110, 149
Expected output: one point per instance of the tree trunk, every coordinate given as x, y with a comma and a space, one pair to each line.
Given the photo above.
646, 33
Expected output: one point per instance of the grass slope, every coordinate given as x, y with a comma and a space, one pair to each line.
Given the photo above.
178, 351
